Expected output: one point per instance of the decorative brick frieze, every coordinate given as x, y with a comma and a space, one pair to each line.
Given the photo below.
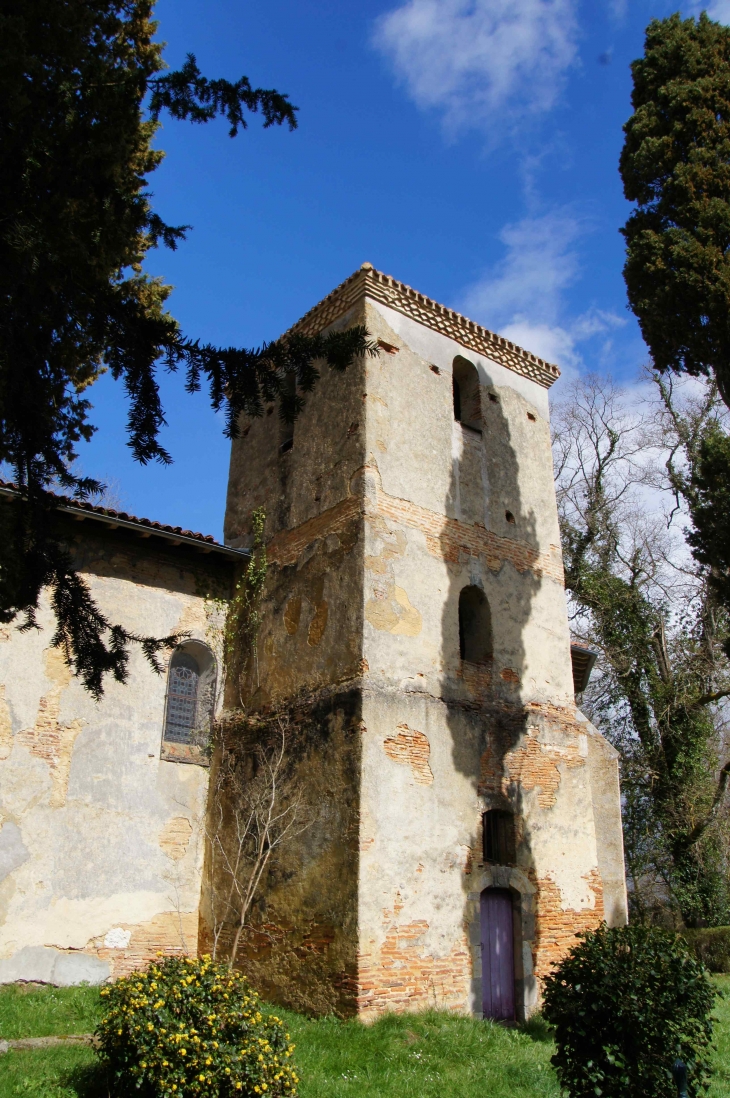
446, 538
367, 282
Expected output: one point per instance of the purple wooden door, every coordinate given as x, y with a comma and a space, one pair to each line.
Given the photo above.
498, 960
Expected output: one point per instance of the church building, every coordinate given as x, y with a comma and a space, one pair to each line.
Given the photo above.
413, 623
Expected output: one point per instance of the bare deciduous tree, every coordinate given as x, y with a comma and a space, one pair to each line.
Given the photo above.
646, 604
256, 804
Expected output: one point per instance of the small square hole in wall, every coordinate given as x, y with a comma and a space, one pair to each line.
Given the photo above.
531, 417
387, 347
494, 398
509, 516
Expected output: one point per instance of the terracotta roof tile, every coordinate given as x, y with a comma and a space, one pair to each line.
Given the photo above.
68, 502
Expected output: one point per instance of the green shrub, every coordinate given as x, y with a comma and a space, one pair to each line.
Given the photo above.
711, 946
188, 1027
625, 1003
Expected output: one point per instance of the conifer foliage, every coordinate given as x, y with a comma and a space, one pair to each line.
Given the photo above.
675, 165
82, 87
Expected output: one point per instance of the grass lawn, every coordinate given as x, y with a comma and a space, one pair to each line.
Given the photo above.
416, 1056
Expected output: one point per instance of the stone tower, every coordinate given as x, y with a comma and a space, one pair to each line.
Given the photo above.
414, 628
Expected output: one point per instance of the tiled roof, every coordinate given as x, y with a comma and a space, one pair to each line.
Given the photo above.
80, 510
367, 282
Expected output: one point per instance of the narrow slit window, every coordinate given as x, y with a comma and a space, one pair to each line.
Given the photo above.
498, 836
457, 401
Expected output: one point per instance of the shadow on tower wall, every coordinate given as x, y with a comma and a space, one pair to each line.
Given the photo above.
485, 697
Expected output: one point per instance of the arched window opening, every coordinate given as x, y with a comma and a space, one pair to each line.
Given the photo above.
475, 626
498, 837
467, 396
190, 697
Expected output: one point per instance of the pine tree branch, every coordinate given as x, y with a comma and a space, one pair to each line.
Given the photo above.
187, 94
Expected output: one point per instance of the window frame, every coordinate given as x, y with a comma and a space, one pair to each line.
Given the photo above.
498, 837
195, 748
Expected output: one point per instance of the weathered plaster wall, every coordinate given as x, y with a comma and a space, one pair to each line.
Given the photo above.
310, 635
606, 795
314, 478
501, 734
416, 507
308, 667
303, 948
100, 844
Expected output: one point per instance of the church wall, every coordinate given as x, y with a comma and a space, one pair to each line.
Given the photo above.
300, 948
101, 839
307, 670
445, 740
416, 510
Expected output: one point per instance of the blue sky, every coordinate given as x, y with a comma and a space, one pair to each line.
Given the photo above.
466, 147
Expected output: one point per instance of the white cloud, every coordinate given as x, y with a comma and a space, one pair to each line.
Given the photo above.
540, 263
618, 9
481, 62
719, 10
716, 9
523, 296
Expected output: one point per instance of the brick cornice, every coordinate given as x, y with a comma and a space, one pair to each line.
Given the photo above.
367, 282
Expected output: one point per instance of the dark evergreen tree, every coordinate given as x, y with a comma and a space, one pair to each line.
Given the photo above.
81, 88
675, 165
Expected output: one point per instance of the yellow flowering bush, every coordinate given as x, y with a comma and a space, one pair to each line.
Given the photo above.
188, 1026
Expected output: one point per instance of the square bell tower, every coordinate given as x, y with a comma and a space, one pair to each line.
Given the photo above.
414, 630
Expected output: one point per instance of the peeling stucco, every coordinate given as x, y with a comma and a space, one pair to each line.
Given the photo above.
101, 842
410, 748
428, 506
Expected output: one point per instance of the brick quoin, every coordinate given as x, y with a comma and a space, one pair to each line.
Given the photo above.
557, 927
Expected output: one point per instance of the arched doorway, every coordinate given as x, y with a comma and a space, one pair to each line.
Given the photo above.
498, 954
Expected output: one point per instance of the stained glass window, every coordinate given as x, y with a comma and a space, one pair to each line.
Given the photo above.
182, 698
